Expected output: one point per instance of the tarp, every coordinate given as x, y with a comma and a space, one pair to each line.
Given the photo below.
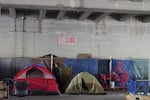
84, 83
44, 61
39, 79
123, 66
79, 65
66, 76
11, 66
141, 68
103, 66
5, 69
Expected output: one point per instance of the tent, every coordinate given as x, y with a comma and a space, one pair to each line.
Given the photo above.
39, 79
84, 83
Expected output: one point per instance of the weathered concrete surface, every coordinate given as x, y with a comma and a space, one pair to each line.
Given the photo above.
122, 6
126, 39
109, 96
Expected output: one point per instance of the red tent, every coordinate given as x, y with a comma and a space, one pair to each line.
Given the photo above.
39, 79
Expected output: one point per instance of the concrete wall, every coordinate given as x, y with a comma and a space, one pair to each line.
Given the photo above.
107, 38
122, 6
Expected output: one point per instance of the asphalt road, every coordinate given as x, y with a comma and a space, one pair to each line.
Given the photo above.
108, 96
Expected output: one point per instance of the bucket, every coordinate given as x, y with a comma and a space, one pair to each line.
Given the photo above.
112, 84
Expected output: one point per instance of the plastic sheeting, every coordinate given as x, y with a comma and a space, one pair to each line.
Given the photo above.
141, 68
103, 66
18, 63
138, 87
5, 70
9, 67
66, 76
82, 65
122, 66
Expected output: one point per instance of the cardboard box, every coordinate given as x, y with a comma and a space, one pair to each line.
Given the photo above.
3, 90
2, 85
137, 97
84, 55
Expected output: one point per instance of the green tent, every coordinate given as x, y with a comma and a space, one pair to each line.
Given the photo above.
84, 83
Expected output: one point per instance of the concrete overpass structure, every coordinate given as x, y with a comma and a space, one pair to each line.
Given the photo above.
31, 28
104, 28
94, 10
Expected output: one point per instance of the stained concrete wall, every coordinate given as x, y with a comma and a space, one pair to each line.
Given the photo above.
21, 38
122, 6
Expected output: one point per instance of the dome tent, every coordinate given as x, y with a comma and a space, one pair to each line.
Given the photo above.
39, 79
84, 83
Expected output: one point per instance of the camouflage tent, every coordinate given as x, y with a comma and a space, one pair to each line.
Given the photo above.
84, 83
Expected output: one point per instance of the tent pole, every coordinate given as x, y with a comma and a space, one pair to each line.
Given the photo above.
110, 70
51, 63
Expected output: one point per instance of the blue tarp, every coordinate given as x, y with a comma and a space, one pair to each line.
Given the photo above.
81, 65
138, 86
96, 66
121, 66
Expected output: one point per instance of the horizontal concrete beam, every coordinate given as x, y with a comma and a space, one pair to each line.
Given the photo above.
119, 6
44, 3
137, 0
